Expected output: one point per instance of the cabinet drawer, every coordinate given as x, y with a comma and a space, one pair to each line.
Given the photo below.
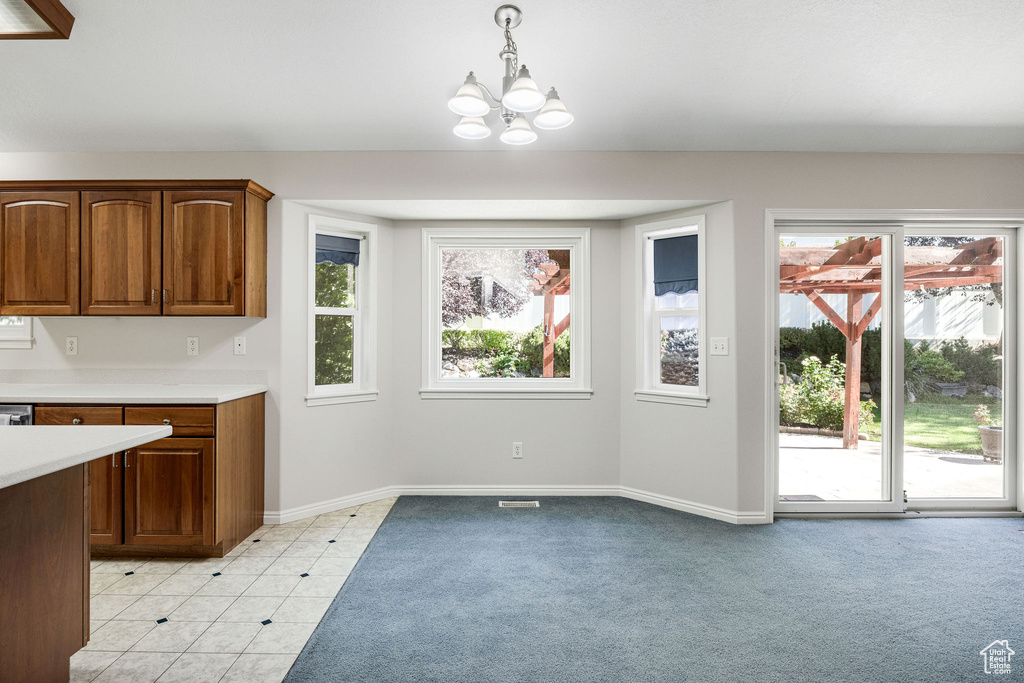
86, 415
185, 421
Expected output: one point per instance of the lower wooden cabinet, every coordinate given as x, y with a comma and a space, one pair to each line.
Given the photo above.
106, 525
180, 496
169, 493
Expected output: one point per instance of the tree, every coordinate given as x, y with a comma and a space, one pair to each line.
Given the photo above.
483, 282
333, 333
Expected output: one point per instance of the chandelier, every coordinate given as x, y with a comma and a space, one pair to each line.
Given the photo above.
519, 96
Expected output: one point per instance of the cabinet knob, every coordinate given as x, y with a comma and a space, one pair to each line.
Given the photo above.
76, 421
167, 421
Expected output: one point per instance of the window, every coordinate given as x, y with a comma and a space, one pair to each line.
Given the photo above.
15, 332
505, 313
671, 344
342, 328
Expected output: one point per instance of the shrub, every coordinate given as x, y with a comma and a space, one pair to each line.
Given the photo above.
789, 405
923, 367
978, 365
825, 342
533, 353
820, 393
791, 342
819, 398
485, 342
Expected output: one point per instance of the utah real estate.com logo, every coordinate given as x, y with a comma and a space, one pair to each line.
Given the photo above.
997, 657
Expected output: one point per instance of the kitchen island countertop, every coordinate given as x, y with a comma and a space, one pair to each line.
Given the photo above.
33, 451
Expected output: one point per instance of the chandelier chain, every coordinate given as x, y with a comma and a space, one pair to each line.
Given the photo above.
511, 45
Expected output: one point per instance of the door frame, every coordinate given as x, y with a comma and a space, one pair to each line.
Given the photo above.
880, 221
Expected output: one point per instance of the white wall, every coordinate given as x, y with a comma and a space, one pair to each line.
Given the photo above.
329, 451
468, 443
684, 452
727, 470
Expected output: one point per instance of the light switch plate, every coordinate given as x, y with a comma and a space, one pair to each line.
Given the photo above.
719, 346
239, 346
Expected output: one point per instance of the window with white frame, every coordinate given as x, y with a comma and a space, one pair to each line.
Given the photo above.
505, 313
671, 341
342, 326
15, 332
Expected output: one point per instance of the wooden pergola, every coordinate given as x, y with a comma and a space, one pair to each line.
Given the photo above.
550, 280
854, 268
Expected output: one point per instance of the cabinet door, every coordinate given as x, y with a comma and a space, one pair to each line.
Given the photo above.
204, 253
169, 492
39, 253
106, 498
121, 253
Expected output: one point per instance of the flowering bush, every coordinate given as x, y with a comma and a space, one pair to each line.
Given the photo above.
983, 417
819, 398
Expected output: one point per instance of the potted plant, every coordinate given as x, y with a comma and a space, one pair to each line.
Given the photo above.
991, 435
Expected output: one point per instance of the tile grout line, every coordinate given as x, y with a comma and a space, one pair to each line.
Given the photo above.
273, 559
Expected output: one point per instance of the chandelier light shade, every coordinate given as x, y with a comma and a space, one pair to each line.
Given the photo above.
469, 101
524, 95
519, 132
553, 115
519, 95
472, 128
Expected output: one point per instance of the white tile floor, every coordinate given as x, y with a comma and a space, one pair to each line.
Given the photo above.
244, 617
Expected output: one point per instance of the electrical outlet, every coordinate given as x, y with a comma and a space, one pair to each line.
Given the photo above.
239, 346
71, 346
517, 450
193, 346
719, 346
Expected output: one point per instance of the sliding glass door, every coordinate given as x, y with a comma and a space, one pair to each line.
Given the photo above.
958, 347
835, 327
895, 344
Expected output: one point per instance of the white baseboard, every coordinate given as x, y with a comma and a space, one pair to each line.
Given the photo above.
731, 516
498, 490
292, 514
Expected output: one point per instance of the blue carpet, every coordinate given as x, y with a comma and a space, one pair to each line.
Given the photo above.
455, 589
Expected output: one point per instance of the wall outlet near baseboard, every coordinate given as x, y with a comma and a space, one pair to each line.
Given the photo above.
719, 346
239, 346
517, 450
71, 346
192, 346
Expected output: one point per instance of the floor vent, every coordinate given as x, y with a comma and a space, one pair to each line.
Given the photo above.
518, 504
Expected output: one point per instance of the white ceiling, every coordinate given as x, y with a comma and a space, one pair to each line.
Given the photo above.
828, 75
505, 209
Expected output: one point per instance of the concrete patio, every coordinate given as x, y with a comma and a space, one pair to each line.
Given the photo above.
819, 466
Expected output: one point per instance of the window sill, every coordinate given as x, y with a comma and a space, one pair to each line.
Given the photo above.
498, 393
350, 397
669, 397
16, 343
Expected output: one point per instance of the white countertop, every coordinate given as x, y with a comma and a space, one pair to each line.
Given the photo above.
30, 452
127, 393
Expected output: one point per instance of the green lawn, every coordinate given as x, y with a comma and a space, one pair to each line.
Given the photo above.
941, 422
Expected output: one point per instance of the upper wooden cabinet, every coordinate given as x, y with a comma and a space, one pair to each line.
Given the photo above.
147, 248
121, 253
39, 253
204, 253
